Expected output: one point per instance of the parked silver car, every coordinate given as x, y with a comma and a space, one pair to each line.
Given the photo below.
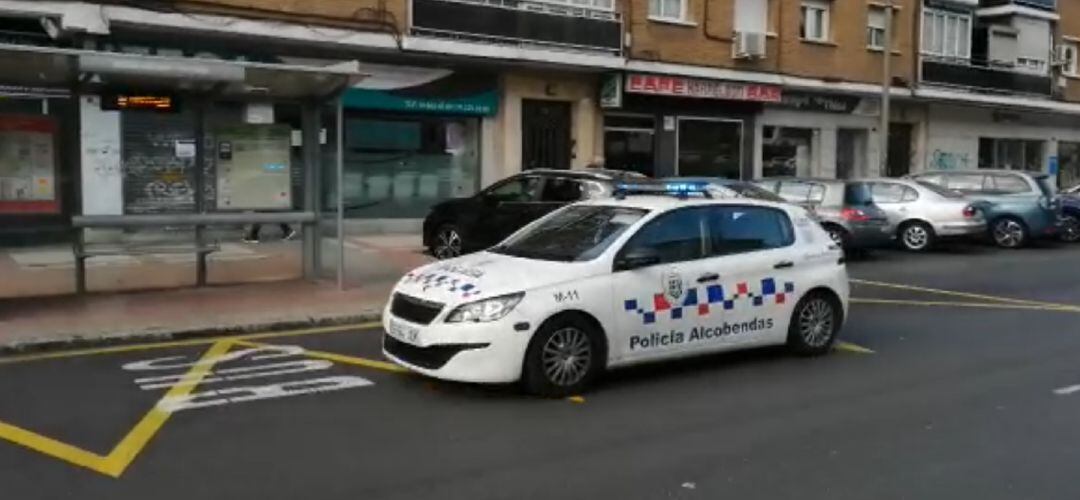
843, 208
924, 213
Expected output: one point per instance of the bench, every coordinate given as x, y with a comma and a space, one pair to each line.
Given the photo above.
200, 247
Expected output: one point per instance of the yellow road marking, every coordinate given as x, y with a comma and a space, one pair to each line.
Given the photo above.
854, 348
942, 303
969, 295
182, 343
337, 358
137, 438
576, 399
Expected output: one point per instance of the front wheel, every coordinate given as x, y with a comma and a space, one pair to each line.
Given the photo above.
1009, 233
916, 236
563, 358
1070, 229
814, 324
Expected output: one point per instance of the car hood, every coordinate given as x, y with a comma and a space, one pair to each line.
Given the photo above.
485, 274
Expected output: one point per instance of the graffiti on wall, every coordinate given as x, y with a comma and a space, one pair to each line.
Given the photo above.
947, 160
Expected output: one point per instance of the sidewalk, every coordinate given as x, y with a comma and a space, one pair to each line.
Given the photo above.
374, 264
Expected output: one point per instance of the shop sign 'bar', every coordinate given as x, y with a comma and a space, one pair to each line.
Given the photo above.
677, 86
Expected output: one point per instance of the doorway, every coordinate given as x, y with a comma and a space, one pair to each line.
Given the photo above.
850, 152
898, 159
545, 134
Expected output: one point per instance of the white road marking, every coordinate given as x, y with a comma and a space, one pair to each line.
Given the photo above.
1065, 391
240, 373
167, 363
255, 393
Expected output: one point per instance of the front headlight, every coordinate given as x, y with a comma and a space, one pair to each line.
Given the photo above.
485, 310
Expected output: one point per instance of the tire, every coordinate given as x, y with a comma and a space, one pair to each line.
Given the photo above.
917, 236
1070, 230
1009, 232
815, 324
448, 242
563, 358
838, 235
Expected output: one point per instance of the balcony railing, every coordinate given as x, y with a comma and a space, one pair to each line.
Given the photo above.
1038, 4
521, 22
975, 75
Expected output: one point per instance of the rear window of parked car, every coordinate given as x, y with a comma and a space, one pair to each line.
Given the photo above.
1007, 184
858, 194
802, 192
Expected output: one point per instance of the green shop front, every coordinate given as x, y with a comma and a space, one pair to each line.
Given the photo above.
412, 138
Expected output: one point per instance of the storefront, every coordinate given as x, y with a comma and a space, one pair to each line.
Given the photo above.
675, 126
413, 139
818, 135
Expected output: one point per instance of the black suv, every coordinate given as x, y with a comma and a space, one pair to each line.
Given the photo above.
464, 225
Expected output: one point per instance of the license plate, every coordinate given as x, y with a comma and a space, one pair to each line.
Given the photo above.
403, 332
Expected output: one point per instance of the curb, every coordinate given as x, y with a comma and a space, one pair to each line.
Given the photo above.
75, 341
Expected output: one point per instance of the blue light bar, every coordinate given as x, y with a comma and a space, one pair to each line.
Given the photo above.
680, 189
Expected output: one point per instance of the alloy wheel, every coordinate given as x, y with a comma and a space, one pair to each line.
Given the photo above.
1070, 231
816, 322
1008, 233
447, 244
916, 237
567, 356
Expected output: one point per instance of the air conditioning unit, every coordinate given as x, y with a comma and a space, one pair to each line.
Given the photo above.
749, 45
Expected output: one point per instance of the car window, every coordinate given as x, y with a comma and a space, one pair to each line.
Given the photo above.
676, 236
1007, 184
887, 192
935, 179
516, 189
965, 182
753, 191
562, 190
909, 195
945, 192
802, 192
745, 229
574, 233
857, 194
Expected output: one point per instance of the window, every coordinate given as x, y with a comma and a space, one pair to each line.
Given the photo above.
751, 16
562, 190
802, 192
946, 34
1069, 51
518, 189
676, 236
1011, 154
668, 9
1007, 184
875, 27
629, 143
815, 21
909, 195
787, 152
1031, 64
965, 182
596, 4
858, 194
887, 192
575, 233
709, 148
746, 229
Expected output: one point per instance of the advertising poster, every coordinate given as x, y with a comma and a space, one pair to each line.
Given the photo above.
253, 167
28, 165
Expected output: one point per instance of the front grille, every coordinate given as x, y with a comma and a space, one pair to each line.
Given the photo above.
431, 357
414, 310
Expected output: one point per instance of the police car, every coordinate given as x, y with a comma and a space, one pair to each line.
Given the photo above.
660, 271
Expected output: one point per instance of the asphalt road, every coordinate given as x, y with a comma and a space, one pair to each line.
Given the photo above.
957, 401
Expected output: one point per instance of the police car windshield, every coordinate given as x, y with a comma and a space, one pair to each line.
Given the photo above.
573, 234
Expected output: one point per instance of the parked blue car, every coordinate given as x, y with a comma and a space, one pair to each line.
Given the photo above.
1070, 216
1024, 205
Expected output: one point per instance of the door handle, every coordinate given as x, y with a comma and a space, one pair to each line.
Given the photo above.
705, 278
784, 264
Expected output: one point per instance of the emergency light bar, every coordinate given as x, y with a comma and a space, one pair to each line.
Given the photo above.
681, 190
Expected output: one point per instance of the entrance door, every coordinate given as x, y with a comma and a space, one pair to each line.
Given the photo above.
545, 134
898, 161
850, 153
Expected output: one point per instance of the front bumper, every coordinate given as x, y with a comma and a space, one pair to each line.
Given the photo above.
464, 352
961, 229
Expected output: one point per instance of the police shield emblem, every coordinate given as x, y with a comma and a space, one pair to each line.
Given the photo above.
673, 286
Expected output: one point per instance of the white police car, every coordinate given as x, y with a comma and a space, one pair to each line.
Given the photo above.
613, 282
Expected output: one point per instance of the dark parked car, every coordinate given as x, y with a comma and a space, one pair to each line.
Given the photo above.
1070, 216
1024, 205
465, 225
845, 209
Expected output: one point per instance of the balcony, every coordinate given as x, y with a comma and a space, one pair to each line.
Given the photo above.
521, 22
1049, 5
973, 76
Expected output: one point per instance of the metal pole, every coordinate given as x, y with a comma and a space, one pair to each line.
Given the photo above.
200, 189
886, 88
340, 193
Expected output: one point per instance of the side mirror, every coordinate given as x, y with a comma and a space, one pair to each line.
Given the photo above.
637, 258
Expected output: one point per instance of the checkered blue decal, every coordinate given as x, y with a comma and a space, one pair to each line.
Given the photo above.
714, 299
445, 281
